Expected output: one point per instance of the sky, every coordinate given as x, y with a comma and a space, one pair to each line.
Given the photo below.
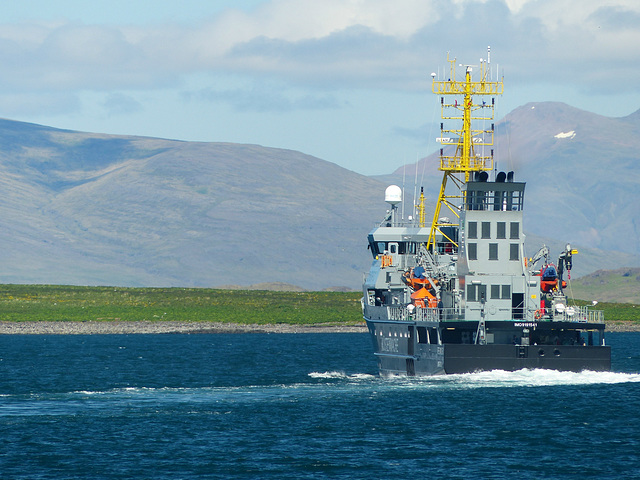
348, 81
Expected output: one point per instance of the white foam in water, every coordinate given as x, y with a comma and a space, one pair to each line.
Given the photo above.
355, 376
490, 379
328, 375
536, 378
496, 378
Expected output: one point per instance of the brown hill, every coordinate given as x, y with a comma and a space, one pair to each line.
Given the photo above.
582, 175
621, 285
83, 208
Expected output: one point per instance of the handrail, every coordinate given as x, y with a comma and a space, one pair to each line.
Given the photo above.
400, 313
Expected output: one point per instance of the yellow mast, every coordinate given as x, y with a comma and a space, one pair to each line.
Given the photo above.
466, 160
420, 206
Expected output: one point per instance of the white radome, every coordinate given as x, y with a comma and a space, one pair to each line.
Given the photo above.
393, 195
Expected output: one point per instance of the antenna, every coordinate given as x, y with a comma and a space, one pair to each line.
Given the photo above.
469, 157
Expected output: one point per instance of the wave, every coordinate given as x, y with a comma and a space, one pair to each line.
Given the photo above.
519, 378
543, 378
342, 375
496, 378
329, 383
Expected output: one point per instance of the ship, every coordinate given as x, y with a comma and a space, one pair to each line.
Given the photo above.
459, 295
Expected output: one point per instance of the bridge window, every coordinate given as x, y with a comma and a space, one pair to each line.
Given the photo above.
506, 292
514, 251
502, 230
493, 251
515, 230
472, 251
476, 293
422, 335
500, 292
472, 231
433, 335
486, 229
378, 248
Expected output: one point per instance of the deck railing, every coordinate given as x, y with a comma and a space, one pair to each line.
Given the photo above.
400, 313
579, 314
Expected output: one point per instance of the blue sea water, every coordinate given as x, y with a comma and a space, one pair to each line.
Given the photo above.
301, 406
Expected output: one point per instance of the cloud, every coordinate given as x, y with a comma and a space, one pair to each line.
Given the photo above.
263, 99
355, 56
615, 18
334, 44
372, 44
296, 20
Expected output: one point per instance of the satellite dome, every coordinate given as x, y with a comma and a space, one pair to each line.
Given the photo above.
393, 195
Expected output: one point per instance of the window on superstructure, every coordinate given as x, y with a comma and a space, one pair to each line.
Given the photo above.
471, 293
472, 231
422, 335
405, 247
514, 251
476, 293
486, 229
482, 293
433, 336
472, 251
500, 292
502, 230
506, 292
515, 230
493, 251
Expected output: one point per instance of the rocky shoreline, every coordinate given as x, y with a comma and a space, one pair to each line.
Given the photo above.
623, 327
126, 328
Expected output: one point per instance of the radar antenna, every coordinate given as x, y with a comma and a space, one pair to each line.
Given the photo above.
458, 166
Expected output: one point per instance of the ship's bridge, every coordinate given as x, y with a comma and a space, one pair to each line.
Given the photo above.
492, 222
397, 240
495, 196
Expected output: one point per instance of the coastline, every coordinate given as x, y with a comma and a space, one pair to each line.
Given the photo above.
158, 327
146, 327
623, 327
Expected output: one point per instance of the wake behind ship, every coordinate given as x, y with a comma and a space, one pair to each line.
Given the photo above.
460, 295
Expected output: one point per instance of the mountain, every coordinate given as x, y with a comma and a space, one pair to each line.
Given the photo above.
82, 208
582, 173
94, 209
620, 286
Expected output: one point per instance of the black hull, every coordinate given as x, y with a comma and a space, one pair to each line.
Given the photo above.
573, 358
405, 355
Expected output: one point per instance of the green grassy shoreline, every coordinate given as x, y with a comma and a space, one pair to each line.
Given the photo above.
29, 303
32, 303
